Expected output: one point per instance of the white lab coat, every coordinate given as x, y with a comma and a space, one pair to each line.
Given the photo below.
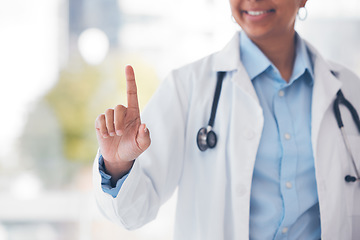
214, 186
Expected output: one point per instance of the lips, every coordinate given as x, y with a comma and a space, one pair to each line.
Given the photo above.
257, 13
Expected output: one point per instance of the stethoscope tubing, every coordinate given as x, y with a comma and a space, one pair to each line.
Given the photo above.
340, 99
348, 148
206, 137
220, 78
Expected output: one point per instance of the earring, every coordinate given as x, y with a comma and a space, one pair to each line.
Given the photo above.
302, 13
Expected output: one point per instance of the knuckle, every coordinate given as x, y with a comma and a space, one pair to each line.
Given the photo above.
109, 111
119, 108
100, 118
104, 132
100, 122
131, 92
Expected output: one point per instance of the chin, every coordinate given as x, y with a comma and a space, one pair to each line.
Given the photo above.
257, 33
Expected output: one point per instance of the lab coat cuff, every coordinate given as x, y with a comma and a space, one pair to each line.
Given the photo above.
106, 180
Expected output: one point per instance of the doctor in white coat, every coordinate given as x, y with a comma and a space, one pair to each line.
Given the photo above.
278, 168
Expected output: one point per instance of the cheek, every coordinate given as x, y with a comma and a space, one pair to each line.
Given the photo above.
288, 15
235, 10
292, 10
235, 6
291, 17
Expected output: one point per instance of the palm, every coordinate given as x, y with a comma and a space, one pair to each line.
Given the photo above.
128, 144
124, 146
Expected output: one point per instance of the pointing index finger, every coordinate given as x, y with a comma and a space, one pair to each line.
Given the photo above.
131, 89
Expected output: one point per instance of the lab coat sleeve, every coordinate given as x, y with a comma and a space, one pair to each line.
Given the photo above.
156, 173
106, 180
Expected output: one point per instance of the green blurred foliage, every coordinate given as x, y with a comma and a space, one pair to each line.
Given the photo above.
84, 91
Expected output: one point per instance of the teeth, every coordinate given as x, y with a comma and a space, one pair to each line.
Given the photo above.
256, 13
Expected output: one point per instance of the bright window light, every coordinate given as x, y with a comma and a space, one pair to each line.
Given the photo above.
93, 45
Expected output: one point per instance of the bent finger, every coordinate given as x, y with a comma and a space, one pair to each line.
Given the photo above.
100, 125
143, 137
109, 118
119, 119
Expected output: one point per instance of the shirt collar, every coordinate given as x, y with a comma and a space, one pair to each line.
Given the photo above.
303, 61
255, 62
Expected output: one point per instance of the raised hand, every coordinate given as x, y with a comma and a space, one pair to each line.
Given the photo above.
121, 135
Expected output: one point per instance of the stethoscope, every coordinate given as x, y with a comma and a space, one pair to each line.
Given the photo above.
206, 137
340, 99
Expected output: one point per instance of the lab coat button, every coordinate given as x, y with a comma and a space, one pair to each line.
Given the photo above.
240, 190
288, 185
281, 93
285, 230
287, 136
249, 134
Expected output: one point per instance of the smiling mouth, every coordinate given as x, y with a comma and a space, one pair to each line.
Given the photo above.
258, 13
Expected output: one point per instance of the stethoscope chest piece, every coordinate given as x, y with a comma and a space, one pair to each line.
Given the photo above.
206, 138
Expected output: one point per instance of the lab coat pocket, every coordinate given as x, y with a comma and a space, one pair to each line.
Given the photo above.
353, 188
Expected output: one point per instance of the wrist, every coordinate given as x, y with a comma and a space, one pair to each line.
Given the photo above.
117, 169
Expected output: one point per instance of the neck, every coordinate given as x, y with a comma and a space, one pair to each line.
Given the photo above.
280, 51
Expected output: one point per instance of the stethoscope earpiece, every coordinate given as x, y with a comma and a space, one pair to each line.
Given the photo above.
206, 138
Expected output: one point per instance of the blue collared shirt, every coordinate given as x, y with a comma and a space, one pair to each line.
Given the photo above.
106, 180
284, 201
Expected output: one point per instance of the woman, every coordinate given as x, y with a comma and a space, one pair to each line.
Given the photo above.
277, 170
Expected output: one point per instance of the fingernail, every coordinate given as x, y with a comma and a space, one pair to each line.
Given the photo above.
145, 128
112, 134
118, 132
106, 135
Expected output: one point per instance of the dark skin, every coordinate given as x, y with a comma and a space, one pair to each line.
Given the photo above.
269, 24
121, 135
282, 59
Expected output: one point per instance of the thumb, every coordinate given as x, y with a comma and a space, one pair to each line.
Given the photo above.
143, 137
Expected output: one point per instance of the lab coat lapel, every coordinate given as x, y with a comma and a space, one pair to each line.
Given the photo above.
228, 60
326, 85
242, 80
245, 129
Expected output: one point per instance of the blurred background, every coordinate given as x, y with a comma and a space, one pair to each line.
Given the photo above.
62, 64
